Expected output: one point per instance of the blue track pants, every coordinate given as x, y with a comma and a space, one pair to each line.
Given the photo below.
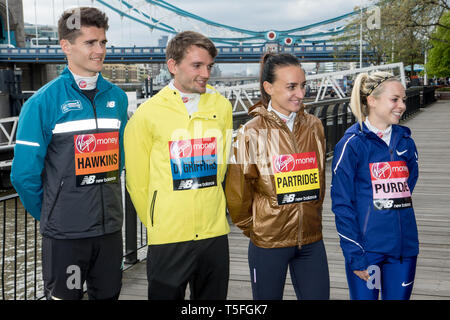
393, 277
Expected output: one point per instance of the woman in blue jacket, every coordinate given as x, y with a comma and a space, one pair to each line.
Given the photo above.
374, 171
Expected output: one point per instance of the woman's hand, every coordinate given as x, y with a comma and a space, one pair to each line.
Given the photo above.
363, 274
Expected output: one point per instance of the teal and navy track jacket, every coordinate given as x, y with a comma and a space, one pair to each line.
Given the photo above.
68, 158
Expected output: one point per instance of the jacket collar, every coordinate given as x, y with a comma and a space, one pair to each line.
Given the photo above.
173, 99
397, 130
102, 84
258, 109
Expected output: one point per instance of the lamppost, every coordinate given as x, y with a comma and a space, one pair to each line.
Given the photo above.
360, 35
425, 75
7, 24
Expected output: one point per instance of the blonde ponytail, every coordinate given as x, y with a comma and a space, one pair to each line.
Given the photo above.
359, 108
364, 86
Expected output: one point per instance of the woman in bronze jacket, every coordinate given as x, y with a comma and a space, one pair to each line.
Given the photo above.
276, 184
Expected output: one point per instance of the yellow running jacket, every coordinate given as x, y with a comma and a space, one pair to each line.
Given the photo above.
175, 164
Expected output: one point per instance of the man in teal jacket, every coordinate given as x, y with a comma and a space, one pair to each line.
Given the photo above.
67, 163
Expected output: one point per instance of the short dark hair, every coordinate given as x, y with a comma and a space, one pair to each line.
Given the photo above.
177, 47
269, 62
71, 21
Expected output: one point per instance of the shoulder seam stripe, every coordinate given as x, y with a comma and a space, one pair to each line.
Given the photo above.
342, 153
28, 143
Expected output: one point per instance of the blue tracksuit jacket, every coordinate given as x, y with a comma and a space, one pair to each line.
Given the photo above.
371, 194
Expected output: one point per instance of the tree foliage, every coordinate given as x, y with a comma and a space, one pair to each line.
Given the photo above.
407, 27
439, 56
420, 17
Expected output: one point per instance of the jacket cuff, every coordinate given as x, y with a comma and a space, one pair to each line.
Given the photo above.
358, 263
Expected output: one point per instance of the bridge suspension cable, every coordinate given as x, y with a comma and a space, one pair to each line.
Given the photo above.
320, 31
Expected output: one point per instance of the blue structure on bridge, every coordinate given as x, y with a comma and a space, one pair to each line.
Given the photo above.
227, 54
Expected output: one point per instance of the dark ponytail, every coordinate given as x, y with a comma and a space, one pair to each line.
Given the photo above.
268, 64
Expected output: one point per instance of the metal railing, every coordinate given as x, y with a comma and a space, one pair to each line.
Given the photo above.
336, 117
21, 268
8, 127
135, 233
20, 256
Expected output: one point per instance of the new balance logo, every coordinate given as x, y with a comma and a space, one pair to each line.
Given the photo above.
88, 180
289, 198
383, 203
185, 184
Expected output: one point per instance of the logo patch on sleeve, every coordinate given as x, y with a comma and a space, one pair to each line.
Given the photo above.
71, 106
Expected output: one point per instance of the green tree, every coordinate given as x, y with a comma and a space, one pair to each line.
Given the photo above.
420, 16
439, 55
407, 26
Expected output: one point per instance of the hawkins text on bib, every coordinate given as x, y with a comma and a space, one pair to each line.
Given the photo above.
96, 158
296, 177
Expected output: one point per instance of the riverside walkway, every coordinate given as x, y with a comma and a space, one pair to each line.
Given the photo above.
431, 199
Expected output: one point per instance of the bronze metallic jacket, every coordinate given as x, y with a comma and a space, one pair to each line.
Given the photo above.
261, 145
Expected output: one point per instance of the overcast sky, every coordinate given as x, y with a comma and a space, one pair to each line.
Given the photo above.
258, 15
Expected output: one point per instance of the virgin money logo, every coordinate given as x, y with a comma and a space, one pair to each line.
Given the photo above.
82, 84
180, 149
285, 163
381, 170
85, 143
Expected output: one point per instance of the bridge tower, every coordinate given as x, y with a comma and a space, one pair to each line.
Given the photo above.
17, 33
33, 75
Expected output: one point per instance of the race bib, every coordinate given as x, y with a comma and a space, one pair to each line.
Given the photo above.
193, 163
96, 158
296, 177
390, 185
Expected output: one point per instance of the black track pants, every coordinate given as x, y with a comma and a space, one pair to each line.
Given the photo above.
204, 264
67, 264
308, 267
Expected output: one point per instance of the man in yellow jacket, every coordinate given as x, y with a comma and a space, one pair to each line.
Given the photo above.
176, 147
